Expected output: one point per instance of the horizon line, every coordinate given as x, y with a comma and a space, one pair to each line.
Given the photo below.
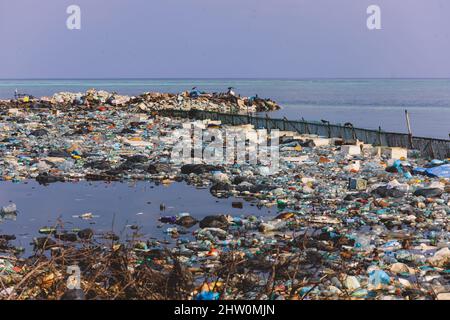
238, 78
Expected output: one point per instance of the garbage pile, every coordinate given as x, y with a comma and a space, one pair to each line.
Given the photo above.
80, 265
354, 221
149, 101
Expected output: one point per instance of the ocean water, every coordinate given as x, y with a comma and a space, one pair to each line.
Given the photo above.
367, 103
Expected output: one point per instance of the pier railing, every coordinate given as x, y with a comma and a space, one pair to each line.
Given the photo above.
428, 147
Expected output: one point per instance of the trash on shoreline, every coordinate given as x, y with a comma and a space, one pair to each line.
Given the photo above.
345, 223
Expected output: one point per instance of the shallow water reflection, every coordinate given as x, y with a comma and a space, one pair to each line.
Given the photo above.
113, 206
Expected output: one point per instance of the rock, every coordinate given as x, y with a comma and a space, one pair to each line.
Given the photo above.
440, 259
400, 268
45, 178
99, 164
39, 132
239, 179
186, 221
85, 233
198, 168
134, 162
59, 154
384, 192
137, 158
7, 237
429, 193
220, 221
220, 187
71, 237
358, 195
155, 168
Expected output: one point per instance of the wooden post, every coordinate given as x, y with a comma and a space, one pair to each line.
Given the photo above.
408, 125
431, 150
306, 125
329, 129
379, 136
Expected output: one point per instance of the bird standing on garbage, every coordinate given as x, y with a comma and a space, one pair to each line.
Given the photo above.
230, 91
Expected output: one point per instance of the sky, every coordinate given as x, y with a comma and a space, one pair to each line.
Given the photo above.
224, 39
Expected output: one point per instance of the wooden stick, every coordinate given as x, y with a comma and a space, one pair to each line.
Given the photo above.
409, 129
